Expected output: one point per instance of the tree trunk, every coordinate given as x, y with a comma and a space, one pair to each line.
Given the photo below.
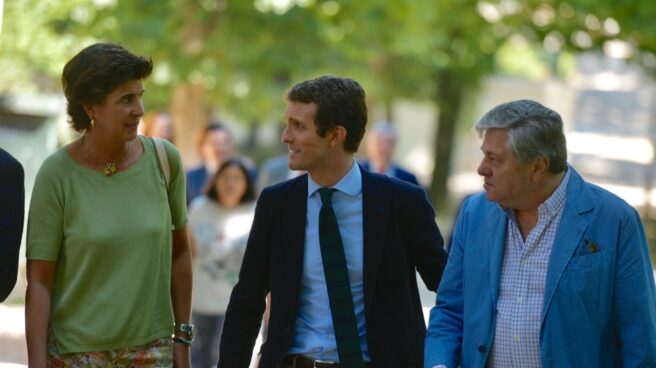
189, 108
389, 113
448, 99
190, 115
252, 141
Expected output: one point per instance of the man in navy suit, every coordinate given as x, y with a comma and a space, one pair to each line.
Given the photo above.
12, 210
215, 147
381, 144
388, 232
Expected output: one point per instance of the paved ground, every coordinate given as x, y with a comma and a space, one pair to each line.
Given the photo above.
12, 337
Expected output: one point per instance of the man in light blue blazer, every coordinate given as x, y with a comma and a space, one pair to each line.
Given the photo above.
545, 269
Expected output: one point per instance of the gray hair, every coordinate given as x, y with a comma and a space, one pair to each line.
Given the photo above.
533, 131
384, 127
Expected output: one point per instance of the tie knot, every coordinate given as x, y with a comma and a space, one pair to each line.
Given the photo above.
326, 196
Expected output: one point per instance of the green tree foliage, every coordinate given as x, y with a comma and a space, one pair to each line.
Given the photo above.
240, 56
32, 47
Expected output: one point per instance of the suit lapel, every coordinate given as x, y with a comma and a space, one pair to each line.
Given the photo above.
294, 216
495, 227
375, 213
570, 230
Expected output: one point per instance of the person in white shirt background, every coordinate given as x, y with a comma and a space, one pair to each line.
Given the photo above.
220, 222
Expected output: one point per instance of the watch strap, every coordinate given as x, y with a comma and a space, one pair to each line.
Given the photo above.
182, 340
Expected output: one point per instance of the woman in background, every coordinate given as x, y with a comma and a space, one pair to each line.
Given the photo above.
109, 266
220, 222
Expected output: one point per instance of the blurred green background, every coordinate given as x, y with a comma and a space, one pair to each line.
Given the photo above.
432, 67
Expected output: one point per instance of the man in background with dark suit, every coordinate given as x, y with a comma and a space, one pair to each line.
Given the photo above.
338, 248
215, 147
381, 144
12, 210
273, 171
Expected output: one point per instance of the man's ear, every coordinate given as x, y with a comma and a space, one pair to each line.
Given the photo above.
540, 168
337, 135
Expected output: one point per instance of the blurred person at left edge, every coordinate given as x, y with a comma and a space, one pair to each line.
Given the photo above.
12, 210
109, 265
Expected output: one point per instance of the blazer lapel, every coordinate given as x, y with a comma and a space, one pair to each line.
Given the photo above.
570, 231
375, 212
495, 227
294, 216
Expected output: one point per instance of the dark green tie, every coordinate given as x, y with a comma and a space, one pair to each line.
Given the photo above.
337, 282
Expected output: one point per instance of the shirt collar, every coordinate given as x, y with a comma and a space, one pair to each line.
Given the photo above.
350, 184
556, 200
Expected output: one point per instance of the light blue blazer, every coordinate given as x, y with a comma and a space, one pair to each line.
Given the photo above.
599, 307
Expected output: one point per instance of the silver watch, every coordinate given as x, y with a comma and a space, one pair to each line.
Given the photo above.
185, 328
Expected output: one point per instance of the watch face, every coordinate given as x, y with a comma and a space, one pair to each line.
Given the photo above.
186, 328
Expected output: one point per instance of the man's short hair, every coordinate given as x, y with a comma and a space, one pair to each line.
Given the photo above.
340, 101
211, 127
533, 131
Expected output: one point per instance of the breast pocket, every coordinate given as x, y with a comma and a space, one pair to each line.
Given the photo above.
590, 262
582, 280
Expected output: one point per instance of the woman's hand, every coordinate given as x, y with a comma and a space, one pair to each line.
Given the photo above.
181, 355
40, 278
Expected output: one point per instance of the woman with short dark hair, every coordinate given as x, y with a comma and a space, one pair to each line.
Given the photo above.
109, 268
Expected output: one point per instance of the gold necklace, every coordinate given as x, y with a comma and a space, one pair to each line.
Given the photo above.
109, 167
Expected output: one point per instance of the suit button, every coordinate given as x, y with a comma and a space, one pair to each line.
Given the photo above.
482, 348
289, 331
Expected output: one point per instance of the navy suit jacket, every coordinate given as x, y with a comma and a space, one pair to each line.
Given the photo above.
12, 211
196, 179
397, 171
400, 238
